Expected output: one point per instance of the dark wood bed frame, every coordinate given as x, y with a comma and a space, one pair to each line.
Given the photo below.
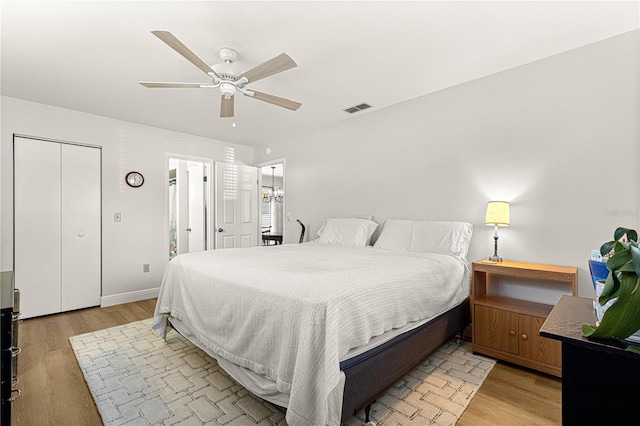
369, 375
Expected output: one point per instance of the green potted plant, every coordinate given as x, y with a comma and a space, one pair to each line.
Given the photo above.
622, 318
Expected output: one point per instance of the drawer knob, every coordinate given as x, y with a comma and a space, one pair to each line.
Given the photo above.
525, 337
512, 333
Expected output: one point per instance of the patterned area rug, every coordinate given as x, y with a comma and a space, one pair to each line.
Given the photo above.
136, 378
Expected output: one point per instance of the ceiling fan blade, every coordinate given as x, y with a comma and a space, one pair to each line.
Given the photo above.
276, 100
153, 84
273, 66
183, 50
226, 106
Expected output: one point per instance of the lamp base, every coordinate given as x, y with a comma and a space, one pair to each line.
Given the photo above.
495, 257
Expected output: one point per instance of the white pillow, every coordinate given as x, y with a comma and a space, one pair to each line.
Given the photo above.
396, 235
347, 231
426, 236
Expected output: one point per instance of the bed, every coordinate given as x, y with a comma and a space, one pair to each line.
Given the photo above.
324, 327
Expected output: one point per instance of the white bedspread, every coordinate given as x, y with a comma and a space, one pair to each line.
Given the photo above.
290, 312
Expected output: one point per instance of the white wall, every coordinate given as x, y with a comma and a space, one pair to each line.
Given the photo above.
142, 235
557, 138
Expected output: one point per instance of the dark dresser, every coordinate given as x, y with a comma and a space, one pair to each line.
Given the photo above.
599, 378
10, 312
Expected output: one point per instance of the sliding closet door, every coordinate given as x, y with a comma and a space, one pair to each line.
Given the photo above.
81, 266
37, 221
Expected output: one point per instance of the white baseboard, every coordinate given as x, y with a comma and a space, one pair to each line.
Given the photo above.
133, 296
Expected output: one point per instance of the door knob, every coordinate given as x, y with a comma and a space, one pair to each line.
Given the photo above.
220, 230
80, 234
188, 229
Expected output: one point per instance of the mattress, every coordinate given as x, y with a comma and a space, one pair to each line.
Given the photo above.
289, 314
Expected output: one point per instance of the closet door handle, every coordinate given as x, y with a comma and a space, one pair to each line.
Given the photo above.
80, 234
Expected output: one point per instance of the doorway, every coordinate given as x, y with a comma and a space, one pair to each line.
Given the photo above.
272, 201
189, 201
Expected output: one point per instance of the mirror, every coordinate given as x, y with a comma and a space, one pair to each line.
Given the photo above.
272, 203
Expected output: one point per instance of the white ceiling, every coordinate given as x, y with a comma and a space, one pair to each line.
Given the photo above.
90, 55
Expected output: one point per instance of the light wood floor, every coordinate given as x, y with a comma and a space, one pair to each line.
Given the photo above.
55, 393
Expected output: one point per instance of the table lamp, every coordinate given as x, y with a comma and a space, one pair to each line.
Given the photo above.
497, 215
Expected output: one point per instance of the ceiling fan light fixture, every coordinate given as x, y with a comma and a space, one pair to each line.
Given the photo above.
228, 89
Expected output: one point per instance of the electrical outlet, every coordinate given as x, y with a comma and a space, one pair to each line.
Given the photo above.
145, 267
289, 216
117, 217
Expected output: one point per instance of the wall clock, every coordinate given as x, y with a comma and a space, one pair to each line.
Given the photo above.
134, 179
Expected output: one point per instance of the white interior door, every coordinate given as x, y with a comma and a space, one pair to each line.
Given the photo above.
236, 205
37, 225
182, 175
196, 207
81, 263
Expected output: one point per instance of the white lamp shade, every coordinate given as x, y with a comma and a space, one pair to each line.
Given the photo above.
497, 213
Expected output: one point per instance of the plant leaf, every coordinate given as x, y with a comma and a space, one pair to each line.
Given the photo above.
622, 319
635, 256
632, 235
619, 233
606, 248
588, 330
634, 348
616, 261
611, 289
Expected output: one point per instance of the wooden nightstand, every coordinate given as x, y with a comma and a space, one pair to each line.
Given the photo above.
508, 328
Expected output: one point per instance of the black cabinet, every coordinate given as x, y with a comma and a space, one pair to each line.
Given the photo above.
9, 314
599, 378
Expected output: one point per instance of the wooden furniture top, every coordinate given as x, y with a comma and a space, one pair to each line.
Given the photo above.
538, 271
565, 324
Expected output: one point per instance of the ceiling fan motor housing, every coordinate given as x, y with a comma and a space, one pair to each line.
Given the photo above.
228, 55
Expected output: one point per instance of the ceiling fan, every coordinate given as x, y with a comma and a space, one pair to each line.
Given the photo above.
228, 83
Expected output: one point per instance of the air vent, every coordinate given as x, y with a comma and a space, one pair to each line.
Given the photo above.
357, 108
